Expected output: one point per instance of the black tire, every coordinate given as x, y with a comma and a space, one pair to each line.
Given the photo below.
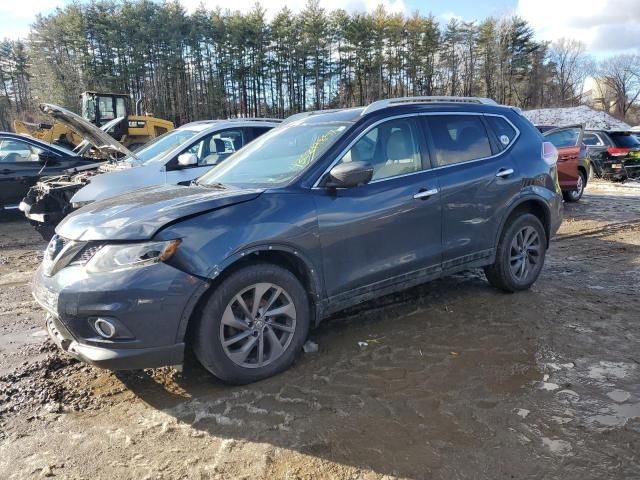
500, 274
208, 336
575, 195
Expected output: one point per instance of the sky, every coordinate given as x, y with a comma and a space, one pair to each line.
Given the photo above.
607, 27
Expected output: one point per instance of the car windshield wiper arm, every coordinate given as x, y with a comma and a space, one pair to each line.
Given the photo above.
217, 185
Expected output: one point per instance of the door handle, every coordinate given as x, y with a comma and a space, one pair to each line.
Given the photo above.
424, 194
504, 172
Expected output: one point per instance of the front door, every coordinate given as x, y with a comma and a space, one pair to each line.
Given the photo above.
209, 151
386, 231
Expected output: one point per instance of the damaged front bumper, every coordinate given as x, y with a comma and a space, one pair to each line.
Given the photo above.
150, 323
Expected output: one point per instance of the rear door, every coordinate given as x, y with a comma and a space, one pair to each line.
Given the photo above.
478, 179
598, 145
568, 141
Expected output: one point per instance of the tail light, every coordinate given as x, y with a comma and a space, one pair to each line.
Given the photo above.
618, 152
549, 153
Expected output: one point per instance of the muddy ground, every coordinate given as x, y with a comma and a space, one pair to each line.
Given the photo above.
455, 380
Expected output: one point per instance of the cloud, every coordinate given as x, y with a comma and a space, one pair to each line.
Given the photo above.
27, 9
603, 25
273, 7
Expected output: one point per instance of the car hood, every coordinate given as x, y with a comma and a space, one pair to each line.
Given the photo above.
124, 178
94, 135
139, 215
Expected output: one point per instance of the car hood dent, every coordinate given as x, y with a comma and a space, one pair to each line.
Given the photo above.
125, 178
87, 130
139, 215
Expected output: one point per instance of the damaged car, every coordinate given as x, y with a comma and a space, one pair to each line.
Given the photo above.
326, 211
25, 161
176, 157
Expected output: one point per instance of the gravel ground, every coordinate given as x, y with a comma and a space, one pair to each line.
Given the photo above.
452, 379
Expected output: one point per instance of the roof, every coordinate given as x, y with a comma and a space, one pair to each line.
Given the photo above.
242, 122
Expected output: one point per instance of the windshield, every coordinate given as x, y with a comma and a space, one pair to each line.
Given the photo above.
155, 150
277, 156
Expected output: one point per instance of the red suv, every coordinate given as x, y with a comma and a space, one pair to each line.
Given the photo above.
573, 161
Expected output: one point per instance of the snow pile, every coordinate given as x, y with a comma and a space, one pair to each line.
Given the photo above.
582, 114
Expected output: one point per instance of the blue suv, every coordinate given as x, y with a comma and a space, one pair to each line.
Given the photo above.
326, 211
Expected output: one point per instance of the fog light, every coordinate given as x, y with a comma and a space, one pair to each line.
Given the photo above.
104, 327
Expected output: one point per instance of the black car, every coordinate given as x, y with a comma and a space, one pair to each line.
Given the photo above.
326, 211
24, 160
614, 154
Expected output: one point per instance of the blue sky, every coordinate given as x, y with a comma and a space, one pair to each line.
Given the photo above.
605, 26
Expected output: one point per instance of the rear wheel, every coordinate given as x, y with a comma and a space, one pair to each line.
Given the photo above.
253, 325
520, 254
575, 195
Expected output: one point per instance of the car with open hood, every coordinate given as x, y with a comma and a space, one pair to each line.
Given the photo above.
176, 157
24, 161
324, 212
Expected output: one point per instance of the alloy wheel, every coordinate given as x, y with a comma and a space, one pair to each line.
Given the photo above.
524, 253
577, 193
258, 325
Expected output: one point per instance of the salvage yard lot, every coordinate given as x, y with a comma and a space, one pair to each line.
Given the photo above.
452, 379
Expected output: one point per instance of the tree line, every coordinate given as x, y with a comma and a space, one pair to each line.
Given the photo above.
222, 63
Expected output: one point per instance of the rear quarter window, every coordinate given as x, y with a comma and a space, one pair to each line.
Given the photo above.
458, 138
503, 130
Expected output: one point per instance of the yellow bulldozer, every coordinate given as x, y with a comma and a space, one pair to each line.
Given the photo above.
100, 108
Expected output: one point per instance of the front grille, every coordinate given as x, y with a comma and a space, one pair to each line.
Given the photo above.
86, 254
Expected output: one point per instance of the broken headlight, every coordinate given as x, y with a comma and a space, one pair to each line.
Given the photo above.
111, 258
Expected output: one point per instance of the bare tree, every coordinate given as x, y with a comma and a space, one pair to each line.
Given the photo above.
570, 67
621, 75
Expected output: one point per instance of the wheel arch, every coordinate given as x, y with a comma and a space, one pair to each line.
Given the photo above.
532, 205
280, 255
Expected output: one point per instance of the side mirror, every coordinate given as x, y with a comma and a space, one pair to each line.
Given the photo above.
187, 160
349, 174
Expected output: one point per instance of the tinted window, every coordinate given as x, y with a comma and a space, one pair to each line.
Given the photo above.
257, 131
391, 148
591, 139
458, 138
622, 140
505, 133
567, 137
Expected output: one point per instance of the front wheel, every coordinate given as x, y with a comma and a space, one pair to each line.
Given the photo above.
253, 325
575, 195
520, 254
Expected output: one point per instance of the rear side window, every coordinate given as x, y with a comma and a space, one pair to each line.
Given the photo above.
458, 138
622, 140
567, 137
591, 140
505, 133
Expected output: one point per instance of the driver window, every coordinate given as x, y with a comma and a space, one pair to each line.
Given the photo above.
391, 148
219, 146
17, 151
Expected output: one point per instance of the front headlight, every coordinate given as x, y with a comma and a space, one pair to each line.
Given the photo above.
116, 257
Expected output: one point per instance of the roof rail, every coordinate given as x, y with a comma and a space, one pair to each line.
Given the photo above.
298, 116
256, 119
392, 102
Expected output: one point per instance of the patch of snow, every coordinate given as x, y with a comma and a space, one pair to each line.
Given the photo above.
566, 116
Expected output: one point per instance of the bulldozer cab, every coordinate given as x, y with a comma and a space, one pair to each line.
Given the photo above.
100, 108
